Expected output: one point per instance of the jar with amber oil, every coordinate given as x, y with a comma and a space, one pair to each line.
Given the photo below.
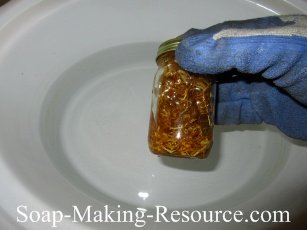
182, 109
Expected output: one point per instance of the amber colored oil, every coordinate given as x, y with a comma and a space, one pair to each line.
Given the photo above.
181, 121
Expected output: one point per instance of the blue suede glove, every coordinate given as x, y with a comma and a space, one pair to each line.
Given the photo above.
274, 50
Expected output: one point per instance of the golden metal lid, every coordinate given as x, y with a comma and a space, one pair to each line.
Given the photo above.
169, 45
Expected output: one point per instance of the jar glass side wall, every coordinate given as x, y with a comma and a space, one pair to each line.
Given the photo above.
181, 122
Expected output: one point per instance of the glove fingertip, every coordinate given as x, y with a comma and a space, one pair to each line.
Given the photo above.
190, 57
184, 57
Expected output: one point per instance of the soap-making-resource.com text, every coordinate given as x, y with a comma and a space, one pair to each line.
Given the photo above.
139, 217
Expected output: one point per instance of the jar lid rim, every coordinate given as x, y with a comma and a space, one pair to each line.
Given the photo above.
169, 45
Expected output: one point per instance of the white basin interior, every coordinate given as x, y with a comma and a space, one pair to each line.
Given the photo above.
94, 125
74, 107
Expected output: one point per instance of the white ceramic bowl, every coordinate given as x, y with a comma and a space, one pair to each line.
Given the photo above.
75, 91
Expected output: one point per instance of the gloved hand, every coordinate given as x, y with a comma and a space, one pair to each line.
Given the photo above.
274, 48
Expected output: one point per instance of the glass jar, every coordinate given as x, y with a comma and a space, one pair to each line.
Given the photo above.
182, 109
